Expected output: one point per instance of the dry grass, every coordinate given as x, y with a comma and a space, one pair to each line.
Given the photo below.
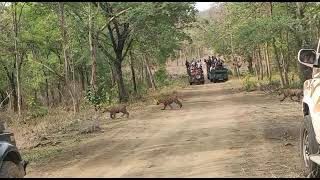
28, 130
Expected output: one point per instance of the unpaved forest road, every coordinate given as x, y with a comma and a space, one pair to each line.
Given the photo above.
219, 132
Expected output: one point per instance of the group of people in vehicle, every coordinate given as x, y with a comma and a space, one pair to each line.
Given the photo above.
214, 63
194, 67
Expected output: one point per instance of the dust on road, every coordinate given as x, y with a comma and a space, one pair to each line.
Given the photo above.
219, 132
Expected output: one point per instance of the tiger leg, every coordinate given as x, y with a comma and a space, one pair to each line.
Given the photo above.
165, 105
112, 115
178, 102
284, 97
125, 113
291, 97
299, 98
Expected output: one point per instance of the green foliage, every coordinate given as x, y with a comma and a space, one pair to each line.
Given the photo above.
101, 96
94, 97
249, 83
161, 76
155, 29
295, 85
35, 109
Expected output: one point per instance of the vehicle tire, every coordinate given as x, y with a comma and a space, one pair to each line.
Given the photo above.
190, 83
10, 170
214, 81
308, 145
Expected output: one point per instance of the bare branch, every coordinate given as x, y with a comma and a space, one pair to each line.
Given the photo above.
128, 47
60, 76
114, 44
111, 19
8, 95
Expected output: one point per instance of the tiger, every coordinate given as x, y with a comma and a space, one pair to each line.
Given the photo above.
291, 93
167, 100
117, 109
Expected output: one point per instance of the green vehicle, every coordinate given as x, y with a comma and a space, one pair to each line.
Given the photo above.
218, 74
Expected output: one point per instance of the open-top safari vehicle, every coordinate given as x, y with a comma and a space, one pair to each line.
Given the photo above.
196, 76
11, 163
218, 74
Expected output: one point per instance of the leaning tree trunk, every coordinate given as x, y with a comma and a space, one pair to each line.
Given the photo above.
133, 74
151, 79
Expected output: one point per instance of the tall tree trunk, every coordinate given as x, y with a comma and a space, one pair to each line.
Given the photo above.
278, 62
268, 62
256, 64
133, 73
47, 92
64, 42
60, 92
93, 49
52, 97
75, 98
303, 70
87, 76
276, 52
151, 79
82, 78
288, 55
16, 56
285, 74
59, 86
66, 60
260, 63
119, 78
250, 66
142, 77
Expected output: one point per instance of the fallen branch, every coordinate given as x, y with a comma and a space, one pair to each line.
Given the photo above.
6, 98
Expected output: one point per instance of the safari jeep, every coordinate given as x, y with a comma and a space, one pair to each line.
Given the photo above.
310, 127
11, 163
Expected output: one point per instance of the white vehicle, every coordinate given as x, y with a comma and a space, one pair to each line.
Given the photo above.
310, 128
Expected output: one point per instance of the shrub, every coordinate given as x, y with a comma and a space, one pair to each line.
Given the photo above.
249, 84
161, 77
35, 109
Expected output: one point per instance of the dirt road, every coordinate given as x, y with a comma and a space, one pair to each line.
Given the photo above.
219, 132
